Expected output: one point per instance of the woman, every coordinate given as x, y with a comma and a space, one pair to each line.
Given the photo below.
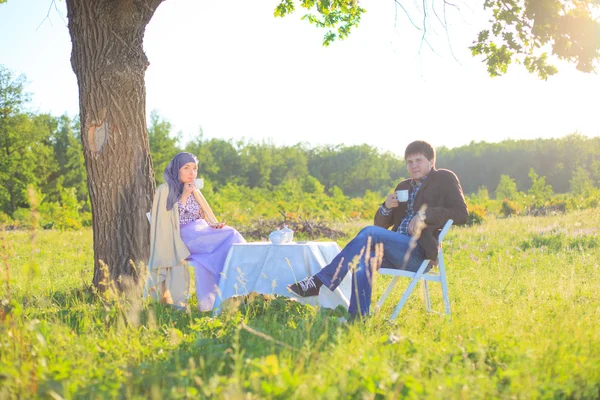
184, 228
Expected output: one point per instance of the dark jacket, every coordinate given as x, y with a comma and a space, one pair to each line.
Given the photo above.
443, 196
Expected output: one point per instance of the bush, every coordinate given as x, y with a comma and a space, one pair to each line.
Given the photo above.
65, 215
581, 202
548, 209
554, 241
241, 205
5, 220
509, 208
477, 215
24, 218
86, 218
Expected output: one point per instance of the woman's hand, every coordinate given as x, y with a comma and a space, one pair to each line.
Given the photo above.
188, 188
218, 225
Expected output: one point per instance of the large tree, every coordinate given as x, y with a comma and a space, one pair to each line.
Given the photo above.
110, 64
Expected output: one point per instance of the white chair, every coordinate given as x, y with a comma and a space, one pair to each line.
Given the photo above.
416, 277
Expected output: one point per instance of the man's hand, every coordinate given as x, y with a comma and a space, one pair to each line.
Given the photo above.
416, 225
391, 201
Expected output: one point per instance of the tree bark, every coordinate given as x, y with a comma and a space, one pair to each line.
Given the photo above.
110, 64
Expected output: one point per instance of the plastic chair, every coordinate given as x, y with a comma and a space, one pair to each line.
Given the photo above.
416, 277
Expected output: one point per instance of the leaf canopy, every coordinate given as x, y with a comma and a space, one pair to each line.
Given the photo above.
520, 31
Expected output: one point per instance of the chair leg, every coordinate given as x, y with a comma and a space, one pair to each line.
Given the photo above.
409, 289
387, 292
427, 299
444, 282
446, 297
405, 296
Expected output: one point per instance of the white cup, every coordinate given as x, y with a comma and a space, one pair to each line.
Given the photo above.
402, 195
199, 183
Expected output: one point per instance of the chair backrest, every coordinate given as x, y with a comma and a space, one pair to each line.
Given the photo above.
445, 230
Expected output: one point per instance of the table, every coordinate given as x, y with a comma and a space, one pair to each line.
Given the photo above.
266, 268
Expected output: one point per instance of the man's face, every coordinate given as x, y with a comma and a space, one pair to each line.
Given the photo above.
418, 166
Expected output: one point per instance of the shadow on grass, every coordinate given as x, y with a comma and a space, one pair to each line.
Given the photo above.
183, 352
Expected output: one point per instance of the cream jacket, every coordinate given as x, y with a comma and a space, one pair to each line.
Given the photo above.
166, 247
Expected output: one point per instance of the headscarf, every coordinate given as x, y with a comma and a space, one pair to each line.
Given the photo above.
171, 176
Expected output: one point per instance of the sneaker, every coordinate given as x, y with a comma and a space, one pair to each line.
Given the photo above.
305, 288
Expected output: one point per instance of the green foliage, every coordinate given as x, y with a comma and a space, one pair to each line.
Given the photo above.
519, 31
556, 241
507, 188
338, 16
68, 153
37, 150
163, 146
482, 193
539, 191
517, 309
581, 183
23, 218
55, 161
24, 150
65, 214
481, 163
312, 185
509, 208
581, 202
296, 199
248, 179
5, 220
477, 215
539, 200
523, 31
355, 169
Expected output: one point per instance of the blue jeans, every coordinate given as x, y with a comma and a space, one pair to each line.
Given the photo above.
395, 247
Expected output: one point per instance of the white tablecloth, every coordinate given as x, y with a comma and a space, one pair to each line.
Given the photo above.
267, 268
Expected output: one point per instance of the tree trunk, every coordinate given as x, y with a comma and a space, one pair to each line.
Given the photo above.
109, 62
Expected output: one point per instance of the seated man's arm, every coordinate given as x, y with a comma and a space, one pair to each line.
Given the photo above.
455, 207
383, 217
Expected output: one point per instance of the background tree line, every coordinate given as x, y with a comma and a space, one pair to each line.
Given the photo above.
361, 168
43, 152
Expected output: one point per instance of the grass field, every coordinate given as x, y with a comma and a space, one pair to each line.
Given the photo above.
525, 296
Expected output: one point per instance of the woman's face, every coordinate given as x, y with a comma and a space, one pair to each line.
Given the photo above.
188, 172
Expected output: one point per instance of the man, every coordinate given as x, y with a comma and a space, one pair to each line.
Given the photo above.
434, 196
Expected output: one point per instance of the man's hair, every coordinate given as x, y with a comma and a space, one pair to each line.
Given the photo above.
420, 147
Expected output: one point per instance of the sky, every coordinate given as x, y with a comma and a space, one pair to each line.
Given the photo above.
234, 71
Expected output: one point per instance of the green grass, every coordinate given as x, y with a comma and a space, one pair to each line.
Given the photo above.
525, 296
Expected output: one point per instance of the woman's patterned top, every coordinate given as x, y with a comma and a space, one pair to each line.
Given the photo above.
189, 212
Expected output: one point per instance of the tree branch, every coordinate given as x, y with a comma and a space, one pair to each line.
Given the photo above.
406, 13
47, 17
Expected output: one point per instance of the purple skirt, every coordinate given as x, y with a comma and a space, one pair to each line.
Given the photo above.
208, 247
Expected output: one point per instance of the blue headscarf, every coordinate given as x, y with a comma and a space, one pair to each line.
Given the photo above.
172, 177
